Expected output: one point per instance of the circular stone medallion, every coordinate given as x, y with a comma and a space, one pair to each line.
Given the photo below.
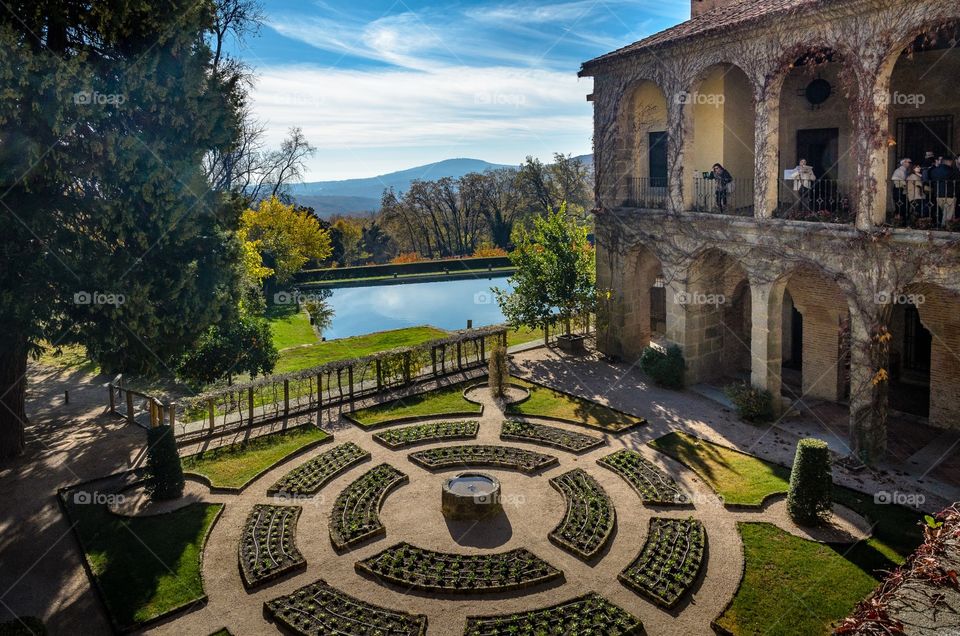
471, 496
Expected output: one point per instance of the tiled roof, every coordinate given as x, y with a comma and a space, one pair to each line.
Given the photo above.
714, 20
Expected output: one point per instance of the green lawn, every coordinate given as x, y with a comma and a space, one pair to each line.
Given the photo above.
792, 585
546, 402
145, 566
354, 347
744, 479
737, 477
235, 465
290, 326
446, 401
523, 335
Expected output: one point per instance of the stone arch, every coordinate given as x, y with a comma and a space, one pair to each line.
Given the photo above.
709, 315
822, 340
821, 133
721, 106
643, 318
642, 150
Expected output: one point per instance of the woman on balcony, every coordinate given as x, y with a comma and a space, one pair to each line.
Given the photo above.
724, 185
803, 178
916, 194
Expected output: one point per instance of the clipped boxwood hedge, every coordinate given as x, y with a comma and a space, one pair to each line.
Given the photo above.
811, 482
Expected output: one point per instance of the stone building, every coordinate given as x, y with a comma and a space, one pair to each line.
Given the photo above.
831, 286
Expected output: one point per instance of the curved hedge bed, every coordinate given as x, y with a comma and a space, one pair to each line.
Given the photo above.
669, 562
548, 436
588, 614
652, 484
268, 548
411, 567
319, 609
308, 478
395, 438
355, 516
590, 518
508, 457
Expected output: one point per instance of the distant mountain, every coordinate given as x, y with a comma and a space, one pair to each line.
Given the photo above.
352, 196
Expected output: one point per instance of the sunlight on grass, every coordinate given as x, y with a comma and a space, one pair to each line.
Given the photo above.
72, 357
290, 326
792, 585
523, 335
546, 402
446, 401
354, 347
737, 477
235, 465
145, 566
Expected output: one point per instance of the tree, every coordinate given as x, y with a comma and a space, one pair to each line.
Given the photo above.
243, 345
286, 238
350, 238
320, 312
112, 237
498, 371
556, 273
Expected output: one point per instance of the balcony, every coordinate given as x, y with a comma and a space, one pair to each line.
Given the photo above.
646, 192
733, 199
925, 205
820, 200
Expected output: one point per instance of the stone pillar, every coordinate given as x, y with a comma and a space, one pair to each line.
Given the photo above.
940, 314
609, 268
766, 144
679, 121
609, 143
868, 424
766, 332
871, 128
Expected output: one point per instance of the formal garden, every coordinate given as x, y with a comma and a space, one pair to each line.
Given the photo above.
610, 529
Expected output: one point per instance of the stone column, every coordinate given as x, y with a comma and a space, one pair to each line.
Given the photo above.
868, 423
871, 128
679, 121
939, 315
766, 332
766, 150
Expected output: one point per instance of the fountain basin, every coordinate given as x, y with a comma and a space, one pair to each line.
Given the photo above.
471, 496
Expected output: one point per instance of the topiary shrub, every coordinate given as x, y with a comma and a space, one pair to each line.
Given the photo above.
753, 404
498, 371
163, 464
811, 482
666, 369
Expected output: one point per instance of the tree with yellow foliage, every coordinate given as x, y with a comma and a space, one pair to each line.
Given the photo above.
285, 238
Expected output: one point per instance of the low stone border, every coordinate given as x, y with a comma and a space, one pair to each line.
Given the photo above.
555, 535
632, 477
413, 419
687, 585
544, 438
612, 618
470, 430
543, 461
339, 542
486, 385
358, 458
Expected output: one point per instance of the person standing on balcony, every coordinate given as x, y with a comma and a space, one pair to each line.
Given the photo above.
899, 179
943, 184
916, 195
803, 178
724, 185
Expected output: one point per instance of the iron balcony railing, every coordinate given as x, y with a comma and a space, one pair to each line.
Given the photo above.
820, 200
648, 192
720, 197
926, 205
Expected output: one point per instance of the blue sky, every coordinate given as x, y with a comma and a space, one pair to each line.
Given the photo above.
384, 85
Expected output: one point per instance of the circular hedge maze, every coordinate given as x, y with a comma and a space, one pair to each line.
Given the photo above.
652, 484
395, 438
411, 567
548, 436
355, 517
526, 461
590, 518
504, 572
669, 562
309, 478
268, 547
319, 609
